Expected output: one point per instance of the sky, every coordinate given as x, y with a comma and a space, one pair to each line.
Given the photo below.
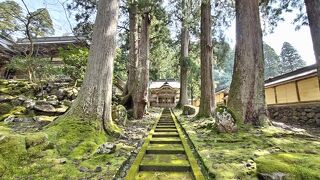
284, 32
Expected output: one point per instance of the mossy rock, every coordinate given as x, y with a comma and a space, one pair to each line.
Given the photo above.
5, 90
5, 108
119, 114
68, 133
221, 108
188, 110
4, 82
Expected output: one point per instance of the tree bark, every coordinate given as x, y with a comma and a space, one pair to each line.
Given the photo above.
207, 90
133, 55
183, 100
140, 96
94, 99
313, 12
246, 95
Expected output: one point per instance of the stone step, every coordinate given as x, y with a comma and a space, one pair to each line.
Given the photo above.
165, 162
166, 130
164, 127
165, 135
165, 140
163, 175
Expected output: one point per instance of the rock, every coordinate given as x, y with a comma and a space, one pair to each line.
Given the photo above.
106, 148
29, 103
52, 98
225, 122
119, 114
46, 108
44, 118
84, 169
53, 102
98, 169
273, 176
6, 98
67, 102
60, 93
62, 161
311, 115
188, 110
13, 118
61, 109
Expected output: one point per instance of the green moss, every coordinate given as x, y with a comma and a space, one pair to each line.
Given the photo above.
5, 90
296, 165
5, 108
69, 133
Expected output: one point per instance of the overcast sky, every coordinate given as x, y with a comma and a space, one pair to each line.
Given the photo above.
285, 32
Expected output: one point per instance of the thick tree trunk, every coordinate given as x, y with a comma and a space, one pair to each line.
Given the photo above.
140, 96
207, 90
183, 100
313, 11
133, 55
94, 99
246, 95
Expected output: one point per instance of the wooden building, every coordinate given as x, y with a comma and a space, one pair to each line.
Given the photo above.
164, 93
301, 85
47, 47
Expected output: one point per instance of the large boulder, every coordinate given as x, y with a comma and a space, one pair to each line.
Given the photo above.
188, 110
119, 114
225, 122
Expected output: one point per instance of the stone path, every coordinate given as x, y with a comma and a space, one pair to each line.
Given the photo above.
165, 154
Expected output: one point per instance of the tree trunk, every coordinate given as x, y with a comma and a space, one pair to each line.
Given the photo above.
133, 55
207, 90
183, 100
94, 99
140, 97
313, 11
246, 95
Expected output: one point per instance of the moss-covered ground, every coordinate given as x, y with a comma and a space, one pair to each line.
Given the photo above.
66, 149
251, 153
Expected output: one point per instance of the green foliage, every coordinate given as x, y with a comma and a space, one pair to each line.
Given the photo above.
273, 11
120, 61
290, 59
41, 22
75, 61
223, 71
271, 62
37, 68
9, 11
12, 20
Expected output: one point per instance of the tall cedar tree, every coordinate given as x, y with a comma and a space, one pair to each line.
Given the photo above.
133, 55
290, 59
207, 90
140, 96
184, 56
94, 99
313, 11
246, 95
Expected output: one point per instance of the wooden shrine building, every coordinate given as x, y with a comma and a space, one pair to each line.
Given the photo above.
164, 93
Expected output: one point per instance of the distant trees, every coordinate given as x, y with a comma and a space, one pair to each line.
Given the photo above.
290, 59
9, 13
271, 62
